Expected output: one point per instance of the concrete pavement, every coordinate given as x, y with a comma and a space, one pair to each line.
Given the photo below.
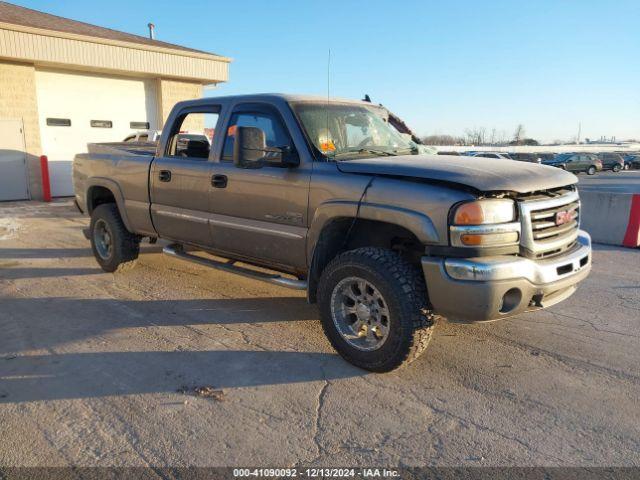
93, 366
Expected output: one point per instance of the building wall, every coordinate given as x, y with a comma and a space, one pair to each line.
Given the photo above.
171, 92
18, 100
55, 49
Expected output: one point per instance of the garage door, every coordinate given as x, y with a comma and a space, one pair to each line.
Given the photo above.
13, 168
78, 108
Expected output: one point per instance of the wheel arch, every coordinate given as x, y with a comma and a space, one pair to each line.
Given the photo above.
335, 229
104, 190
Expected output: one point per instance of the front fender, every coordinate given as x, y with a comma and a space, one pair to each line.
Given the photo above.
417, 223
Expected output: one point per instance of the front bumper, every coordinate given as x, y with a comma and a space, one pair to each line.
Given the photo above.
490, 288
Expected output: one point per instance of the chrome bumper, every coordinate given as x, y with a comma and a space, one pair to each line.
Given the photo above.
510, 268
489, 288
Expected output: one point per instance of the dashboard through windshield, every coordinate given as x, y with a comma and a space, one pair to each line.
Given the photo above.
343, 131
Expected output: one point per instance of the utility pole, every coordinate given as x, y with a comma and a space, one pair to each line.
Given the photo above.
579, 131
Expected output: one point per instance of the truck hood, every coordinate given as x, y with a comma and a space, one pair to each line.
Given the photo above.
484, 174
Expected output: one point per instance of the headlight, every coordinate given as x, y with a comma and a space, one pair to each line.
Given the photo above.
485, 223
479, 212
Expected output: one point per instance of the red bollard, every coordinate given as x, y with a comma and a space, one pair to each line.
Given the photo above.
46, 184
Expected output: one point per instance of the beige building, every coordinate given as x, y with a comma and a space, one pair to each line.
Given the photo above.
65, 83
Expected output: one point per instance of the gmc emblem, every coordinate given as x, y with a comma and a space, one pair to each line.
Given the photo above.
565, 216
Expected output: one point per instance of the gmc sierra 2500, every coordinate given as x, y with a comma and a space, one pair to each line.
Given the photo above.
335, 200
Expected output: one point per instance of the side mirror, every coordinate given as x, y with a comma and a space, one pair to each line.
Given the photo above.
249, 147
250, 151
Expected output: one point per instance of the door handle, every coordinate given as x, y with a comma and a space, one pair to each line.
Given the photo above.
164, 176
219, 181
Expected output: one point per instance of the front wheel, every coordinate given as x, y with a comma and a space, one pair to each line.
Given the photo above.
111, 242
374, 309
616, 168
591, 170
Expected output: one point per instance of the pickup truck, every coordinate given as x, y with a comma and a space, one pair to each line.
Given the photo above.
329, 198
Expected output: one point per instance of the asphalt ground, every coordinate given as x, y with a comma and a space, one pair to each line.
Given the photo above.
100, 369
626, 181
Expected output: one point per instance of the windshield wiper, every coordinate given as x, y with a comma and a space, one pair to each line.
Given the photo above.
403, 151
366, 150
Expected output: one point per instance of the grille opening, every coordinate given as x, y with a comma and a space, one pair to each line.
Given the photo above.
564, 269
552, 224
584, 261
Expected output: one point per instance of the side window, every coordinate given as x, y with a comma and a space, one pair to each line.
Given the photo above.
275, 132
193, 137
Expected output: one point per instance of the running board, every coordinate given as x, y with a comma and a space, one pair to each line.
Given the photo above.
176, 250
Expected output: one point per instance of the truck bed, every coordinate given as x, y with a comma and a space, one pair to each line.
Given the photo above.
123, 148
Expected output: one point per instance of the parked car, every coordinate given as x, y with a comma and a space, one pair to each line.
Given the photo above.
525, 157
576, 162
490, 155
632, 161
143, 136
544, 156
333, 201
611, 161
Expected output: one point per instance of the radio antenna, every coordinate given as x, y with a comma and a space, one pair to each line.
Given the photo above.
328, 92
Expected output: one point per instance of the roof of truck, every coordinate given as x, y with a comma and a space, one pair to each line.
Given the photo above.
287, 97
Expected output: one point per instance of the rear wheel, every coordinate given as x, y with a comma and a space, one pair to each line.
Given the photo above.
616, 168
591, 170
374, 309
111, 242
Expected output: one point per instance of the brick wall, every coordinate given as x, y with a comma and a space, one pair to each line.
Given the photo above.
171, 92
18, 100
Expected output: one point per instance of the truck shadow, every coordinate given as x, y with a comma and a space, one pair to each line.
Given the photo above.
35, 272
52, 321
90, 375
18, 253
50, 324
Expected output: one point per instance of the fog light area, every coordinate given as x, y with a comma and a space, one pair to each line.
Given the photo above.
510, 300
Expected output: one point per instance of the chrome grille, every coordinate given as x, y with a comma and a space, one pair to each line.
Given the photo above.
543, 235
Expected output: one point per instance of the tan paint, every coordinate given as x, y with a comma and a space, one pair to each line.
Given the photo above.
18, 100
51, 48
171, 92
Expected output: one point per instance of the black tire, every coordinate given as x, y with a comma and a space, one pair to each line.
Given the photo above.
616, 168
124, 245
410, 323
591, 170
626, 166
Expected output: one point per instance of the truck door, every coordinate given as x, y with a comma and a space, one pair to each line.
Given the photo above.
180, 177
261, 213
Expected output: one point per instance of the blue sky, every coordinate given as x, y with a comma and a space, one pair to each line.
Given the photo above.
443, 66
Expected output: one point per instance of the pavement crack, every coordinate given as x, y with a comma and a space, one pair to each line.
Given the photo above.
317, 427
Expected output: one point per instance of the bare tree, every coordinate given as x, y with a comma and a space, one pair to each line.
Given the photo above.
493, 138
442, 140
476, 136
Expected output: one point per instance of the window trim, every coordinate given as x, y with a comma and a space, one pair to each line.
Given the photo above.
177, 123
255, 108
